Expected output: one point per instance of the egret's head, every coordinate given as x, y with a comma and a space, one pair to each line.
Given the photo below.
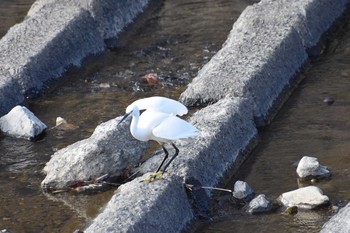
129, 110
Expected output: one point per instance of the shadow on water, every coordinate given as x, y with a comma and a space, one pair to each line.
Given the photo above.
305, 126
173, 39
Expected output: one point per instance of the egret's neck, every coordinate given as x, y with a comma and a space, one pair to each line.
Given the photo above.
134, 129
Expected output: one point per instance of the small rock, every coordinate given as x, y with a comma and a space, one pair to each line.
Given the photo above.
307, 198
259, 204
22, 123
4, 231
62, 124
151, 78
60, 120
328, 100
243, 191
291, 210
309, 168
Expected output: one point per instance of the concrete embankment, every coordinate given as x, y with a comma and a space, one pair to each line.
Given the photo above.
244, 83
54, 36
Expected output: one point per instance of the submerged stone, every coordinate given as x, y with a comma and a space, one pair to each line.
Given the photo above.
309, 168
22, 123
307, 198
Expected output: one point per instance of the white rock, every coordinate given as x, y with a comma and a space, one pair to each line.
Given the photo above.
259, 204
307, 198
309, 168
60, 120
242, 190
22, 123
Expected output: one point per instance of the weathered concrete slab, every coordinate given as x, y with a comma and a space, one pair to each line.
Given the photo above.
112, 16
55, 35
339, 223
110, 150
265, 49
40, 49
163, 205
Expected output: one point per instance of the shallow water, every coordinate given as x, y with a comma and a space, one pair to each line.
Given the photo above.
12, 12
174, 39
305, 126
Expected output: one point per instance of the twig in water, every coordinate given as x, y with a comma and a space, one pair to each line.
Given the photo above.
196, 187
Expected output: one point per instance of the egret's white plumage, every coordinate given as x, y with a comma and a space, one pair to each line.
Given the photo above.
159, 126
160, 104
159, 123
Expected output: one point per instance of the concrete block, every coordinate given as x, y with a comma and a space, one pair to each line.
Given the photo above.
266, 48
111, 16
160, 206
339, 223
41, 48
54, 36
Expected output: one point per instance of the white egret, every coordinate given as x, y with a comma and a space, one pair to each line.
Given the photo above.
159, 123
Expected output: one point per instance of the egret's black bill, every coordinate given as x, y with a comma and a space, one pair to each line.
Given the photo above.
124, 117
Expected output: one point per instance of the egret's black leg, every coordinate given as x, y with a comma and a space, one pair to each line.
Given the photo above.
165, 158
172, 158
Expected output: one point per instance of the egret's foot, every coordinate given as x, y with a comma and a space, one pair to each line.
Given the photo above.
154, 176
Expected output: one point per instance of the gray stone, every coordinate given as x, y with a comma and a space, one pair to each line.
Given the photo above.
110, 150
243, 191
22, 123
160, 206
308, 197
309, 168
265, 49
339, 223
259, 204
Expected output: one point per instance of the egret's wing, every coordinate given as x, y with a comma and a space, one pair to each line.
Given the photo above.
160, 104
174, 128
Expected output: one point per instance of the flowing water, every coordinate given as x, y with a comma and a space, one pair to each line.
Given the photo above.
173, 38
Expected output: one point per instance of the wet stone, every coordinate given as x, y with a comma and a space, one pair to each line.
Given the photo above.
22, 123
328, 100
306, 198
243, 191
309, 168
259, 204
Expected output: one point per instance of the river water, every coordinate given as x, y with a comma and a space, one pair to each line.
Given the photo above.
174, 39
